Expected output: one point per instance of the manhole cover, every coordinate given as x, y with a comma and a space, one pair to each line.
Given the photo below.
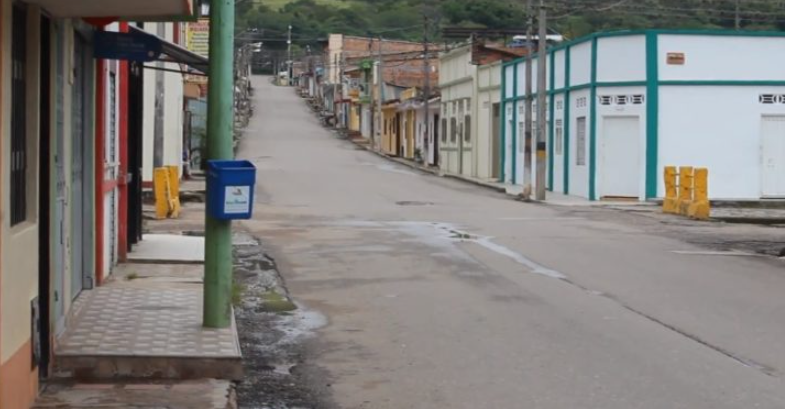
413, 203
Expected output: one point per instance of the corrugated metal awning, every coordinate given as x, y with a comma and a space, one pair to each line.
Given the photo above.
171, 52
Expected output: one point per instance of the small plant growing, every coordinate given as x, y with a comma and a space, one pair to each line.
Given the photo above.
238, 290
418, 155
132, 276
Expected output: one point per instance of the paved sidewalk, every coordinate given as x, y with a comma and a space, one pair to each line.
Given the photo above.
168, 248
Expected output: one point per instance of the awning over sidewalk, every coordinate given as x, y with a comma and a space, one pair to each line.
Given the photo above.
139, 45
137, 10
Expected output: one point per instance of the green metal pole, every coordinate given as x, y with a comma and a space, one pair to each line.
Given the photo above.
220, 134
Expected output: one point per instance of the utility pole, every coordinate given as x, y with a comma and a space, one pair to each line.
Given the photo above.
379, 98
290, 70
427, 89
527, 153
217, 308
738, 15
542, 87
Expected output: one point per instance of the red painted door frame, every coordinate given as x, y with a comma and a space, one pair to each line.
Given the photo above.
100, 143
122, 230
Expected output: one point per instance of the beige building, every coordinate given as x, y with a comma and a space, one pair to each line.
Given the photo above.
470, 81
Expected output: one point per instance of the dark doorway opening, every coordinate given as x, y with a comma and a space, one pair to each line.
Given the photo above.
135, 139
436, 137
44, 203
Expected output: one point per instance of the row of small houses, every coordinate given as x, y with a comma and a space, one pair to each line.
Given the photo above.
620, 107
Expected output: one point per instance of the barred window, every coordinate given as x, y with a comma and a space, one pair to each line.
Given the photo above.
580, 157
18, 117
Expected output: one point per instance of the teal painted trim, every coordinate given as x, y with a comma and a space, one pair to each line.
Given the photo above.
718, 33
630, 33
580, 87
621, 84
503, 125
567, 103
551, 114
652, 114
721, 83
514, 155
593, 124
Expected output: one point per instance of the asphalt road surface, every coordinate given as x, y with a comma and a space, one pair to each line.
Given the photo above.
439, 294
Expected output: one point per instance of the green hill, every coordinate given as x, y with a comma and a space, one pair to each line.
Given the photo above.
312, 20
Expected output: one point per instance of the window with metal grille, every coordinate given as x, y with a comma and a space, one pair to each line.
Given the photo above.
580, 157
581, 102
453, 129
467, 128
521, 135
606, 99
559, 105
18, 117
621, 99
444, 129
559, 143
638, 99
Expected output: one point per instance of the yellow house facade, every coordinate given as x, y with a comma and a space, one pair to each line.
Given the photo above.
390, 126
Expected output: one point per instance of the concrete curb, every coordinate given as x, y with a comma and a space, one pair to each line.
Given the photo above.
495, 188
432, 171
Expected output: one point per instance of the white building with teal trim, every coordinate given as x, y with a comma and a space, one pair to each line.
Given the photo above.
623, 105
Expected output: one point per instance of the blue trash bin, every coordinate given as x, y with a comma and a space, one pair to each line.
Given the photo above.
230, 188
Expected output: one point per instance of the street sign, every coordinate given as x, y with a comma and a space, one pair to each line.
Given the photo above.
126, 46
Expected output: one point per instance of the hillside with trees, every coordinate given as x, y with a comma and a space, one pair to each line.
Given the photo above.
312, 20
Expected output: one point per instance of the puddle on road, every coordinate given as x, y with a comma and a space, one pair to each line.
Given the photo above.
446, 236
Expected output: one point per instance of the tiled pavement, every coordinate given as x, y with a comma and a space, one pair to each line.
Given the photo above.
122, 320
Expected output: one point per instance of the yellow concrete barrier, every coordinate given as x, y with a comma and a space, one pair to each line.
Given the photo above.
166, 188
161, 190
671, 202
700, 208
685, 188
174, 191
687, 192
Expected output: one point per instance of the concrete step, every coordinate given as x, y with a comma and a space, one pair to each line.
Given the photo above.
146, 323
110, 367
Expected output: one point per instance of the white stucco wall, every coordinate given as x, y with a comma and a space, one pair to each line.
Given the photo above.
712, 125
724, 135
621, 59
579, 174
722, 58
580, 64
173, 111
558, 157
